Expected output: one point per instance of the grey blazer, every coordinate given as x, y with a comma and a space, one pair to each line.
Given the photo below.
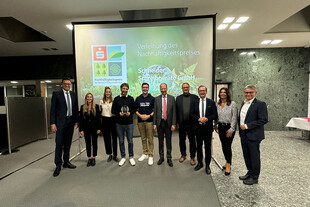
171, 111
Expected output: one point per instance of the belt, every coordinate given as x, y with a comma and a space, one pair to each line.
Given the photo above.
224, 124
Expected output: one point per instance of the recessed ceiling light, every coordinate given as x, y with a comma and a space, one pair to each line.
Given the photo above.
242, 19
234, 26
265, 42
14, 82
243, 53
274, 42
69, 26
251, 53
48, 81
228, 20
222, 26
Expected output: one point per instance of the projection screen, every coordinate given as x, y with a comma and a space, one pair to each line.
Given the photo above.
155, 52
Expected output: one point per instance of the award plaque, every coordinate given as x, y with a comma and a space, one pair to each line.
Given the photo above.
125, 109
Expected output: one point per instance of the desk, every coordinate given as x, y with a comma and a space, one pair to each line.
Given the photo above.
299, 123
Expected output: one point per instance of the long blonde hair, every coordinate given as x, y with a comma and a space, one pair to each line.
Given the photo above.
93, 105
105, 98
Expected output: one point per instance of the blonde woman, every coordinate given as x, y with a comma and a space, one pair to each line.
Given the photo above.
108, 125
90, 127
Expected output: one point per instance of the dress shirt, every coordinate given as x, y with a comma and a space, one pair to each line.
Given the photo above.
244, 111
106, 108
65, 94
204, 106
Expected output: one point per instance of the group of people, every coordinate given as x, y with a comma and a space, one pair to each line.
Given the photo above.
195, 116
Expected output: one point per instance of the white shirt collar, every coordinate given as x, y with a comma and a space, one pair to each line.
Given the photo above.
249, 102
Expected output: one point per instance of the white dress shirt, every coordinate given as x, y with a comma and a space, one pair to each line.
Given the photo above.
244, 111
65, 94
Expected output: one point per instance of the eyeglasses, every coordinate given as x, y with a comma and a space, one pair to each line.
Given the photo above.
251, 92
66, 84
202, 90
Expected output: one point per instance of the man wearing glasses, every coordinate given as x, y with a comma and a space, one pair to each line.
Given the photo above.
64, 111
253, 117
203, 113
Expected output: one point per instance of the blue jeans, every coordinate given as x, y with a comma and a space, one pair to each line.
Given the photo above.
121, 129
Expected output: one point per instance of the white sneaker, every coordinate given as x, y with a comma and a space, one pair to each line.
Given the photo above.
132, 161
142, 157
121, 163
151, 161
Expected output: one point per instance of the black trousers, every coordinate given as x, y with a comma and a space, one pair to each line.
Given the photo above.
63, 142
164, 131
91, 140
109, 135
203, 136
251, 154
226, 142
183, 130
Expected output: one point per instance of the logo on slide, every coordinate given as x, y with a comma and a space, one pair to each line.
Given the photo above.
109, 64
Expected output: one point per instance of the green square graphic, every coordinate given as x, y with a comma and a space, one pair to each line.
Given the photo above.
101, 69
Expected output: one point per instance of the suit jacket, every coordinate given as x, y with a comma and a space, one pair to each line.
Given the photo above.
211, 113
89, 122
171, 111
255, 119
59, 108
179, 106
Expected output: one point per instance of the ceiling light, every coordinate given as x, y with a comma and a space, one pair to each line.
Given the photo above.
69, 26
48, 81
222, 26
243, 53
274, 42
234, 26
251, 53
242, 19
14, 82
265, 42
228, 20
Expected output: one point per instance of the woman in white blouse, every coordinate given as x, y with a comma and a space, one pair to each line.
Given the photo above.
226, 124
108, 125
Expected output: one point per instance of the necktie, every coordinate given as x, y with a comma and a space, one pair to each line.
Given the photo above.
165, 109
68, 105
202, 108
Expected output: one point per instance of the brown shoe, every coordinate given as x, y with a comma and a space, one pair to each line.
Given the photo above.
182, 158
193, 162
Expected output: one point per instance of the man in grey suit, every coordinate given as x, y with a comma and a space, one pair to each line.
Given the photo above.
253, 117
164, 122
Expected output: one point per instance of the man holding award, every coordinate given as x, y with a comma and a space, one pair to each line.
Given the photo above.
123, 108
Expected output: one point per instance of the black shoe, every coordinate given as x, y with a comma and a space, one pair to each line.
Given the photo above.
208, 170
69, 165
250, 181
227, 173
109, 158
57, 171
89, 162
223, 168
93, 163
116, 159
169, 161
198, 166
244, 177
160, 161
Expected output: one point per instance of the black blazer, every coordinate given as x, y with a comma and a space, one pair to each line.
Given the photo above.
179, 106
89, 122
211, 113
59, 108
255, 119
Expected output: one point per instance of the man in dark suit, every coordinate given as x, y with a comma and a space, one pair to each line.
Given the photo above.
203, 113
164, 122
185, 124
64, 112
253, 117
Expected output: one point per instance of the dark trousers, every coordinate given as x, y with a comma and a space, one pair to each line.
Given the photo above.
251, 155
91, 140
164, 131
226, 142
183, 130
63, 142
203, 135
109, 135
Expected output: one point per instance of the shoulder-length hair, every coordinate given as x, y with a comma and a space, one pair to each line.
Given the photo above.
105, 98
228, 95
92, 108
